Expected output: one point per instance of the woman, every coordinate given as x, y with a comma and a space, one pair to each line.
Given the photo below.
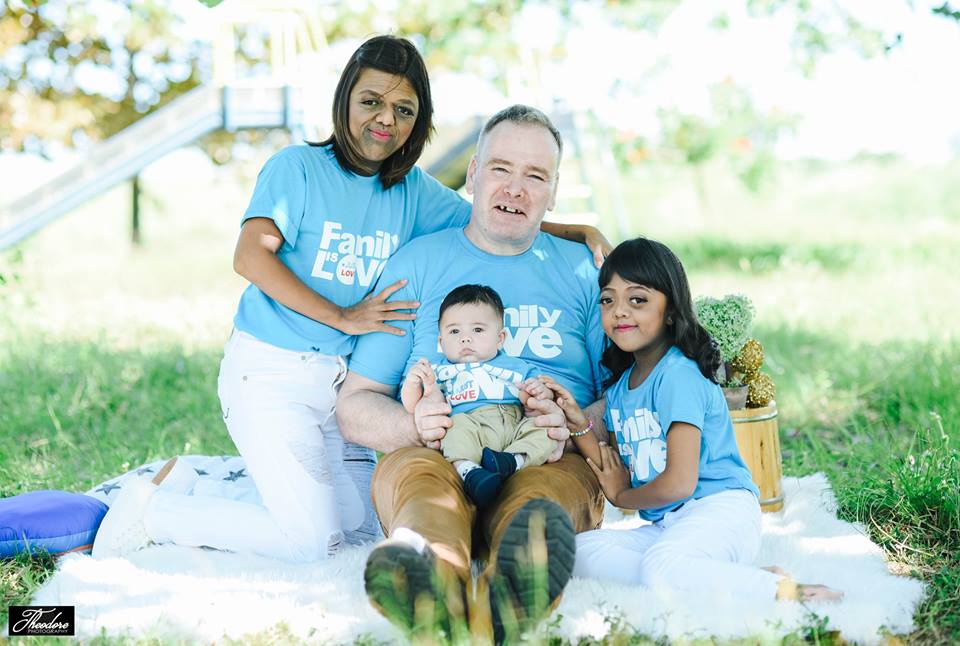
322, 221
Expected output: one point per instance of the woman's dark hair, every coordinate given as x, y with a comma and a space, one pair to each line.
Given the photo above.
396, 56
652, 264
472, 294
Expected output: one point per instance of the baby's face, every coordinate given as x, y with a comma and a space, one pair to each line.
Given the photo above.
471, 332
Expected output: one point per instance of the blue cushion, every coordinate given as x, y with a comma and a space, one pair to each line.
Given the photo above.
57, 521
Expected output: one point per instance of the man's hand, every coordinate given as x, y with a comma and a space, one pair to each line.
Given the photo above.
549, 416
432, 419
613, 476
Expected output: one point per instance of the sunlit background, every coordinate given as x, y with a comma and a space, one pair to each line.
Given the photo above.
801, 152
790, 140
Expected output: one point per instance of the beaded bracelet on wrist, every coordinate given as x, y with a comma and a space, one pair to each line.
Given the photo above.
584, 431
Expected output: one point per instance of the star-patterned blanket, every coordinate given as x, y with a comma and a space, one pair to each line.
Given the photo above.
224, 476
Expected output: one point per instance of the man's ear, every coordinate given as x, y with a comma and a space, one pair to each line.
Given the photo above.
471, 171
501, 338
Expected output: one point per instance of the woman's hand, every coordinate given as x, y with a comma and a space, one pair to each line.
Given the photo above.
369, 314
613, 476
597, 243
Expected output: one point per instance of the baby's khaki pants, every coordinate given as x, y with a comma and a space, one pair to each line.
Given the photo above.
502, 427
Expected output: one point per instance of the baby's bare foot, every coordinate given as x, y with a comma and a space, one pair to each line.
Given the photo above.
815, 592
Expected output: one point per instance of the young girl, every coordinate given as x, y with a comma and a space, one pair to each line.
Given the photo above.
678, 461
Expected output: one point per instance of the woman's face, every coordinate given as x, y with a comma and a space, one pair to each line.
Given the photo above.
383, 110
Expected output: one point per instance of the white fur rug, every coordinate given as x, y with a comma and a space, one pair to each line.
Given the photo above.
201, 595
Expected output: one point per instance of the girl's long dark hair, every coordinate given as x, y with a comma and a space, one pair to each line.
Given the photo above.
652, 264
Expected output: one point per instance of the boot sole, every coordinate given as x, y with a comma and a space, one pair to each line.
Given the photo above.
401, 584
534, 562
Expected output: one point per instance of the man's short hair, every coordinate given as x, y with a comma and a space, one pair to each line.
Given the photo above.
522, 115
472, 294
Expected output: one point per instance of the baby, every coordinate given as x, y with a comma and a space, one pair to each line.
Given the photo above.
490, 438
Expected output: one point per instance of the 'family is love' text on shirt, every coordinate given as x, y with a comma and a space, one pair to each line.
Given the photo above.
339, 229
549, 292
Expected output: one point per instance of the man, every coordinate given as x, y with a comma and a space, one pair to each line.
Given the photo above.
549, 288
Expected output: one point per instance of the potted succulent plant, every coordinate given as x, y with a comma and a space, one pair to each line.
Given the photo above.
728, 320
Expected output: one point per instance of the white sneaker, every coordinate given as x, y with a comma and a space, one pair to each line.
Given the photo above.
122, 530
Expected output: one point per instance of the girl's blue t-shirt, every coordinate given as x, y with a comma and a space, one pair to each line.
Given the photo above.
675, 391
339, 228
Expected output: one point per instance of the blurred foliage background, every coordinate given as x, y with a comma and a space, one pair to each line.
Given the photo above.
109, 350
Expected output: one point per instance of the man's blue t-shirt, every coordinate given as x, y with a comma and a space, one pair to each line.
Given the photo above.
468, 386
549, 292
339, 228
675, 391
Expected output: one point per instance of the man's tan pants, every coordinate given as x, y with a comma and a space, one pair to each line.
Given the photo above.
418, 489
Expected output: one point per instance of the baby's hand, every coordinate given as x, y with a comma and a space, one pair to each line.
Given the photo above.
420, 383
422, 372
536, 388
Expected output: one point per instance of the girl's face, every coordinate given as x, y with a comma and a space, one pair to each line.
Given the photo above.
633, 315
383, 110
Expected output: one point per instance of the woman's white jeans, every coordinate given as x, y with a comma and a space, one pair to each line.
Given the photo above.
707, 544
278, 406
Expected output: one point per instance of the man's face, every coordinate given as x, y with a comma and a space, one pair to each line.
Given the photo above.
471, 332
513, 180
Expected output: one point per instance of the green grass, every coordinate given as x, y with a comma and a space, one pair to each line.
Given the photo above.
109, 353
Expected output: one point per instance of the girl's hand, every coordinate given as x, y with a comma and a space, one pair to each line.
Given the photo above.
613, 476
597, 243
576, 419
369, 314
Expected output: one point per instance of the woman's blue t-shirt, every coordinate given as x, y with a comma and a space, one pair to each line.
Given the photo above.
675, 391
339, 228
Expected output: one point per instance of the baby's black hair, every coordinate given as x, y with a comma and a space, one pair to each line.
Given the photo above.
652, 264
466, 294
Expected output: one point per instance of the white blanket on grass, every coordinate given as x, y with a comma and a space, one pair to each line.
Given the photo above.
181, 593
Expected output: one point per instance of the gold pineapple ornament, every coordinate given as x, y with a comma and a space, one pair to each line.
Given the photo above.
749, 359
760, 390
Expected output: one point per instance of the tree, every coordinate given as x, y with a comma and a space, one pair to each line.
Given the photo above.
75, 72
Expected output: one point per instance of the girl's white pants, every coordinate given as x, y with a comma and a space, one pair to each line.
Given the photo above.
707, 544
278, 406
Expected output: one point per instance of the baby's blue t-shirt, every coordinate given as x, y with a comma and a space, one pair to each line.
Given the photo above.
675, 391
468, 386
550, 294
339, 228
